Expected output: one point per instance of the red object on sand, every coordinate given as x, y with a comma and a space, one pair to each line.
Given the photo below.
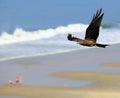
11, 82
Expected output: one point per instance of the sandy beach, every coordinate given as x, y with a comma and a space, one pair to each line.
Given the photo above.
90, 73
113, 64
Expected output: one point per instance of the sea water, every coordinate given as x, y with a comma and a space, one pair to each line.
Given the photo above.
22, 43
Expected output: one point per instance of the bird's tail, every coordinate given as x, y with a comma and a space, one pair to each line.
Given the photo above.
101, 45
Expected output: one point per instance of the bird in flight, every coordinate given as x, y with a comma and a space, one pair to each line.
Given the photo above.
92, 32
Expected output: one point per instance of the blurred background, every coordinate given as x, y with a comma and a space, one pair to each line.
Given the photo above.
42, 14
40, 27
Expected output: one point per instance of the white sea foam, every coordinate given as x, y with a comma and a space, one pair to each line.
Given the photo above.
110, 36
20, 35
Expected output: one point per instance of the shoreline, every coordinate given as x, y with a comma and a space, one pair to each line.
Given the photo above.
40, 55
65, 70
52, 53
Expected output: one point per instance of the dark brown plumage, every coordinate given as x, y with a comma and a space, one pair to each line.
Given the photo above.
92, 32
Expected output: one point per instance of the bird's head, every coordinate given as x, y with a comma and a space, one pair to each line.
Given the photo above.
69, 37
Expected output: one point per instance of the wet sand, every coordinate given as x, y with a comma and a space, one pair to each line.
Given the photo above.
102, 81
65, 75
112, 64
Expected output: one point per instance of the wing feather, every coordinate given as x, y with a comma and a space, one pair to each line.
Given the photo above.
92, 32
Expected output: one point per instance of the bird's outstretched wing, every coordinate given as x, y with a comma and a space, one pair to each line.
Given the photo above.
92, 32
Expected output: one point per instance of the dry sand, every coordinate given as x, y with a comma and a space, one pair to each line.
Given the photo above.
78, 65
112, 64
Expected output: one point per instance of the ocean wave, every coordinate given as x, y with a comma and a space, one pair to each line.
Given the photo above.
20, 35
111, 25
23, 43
